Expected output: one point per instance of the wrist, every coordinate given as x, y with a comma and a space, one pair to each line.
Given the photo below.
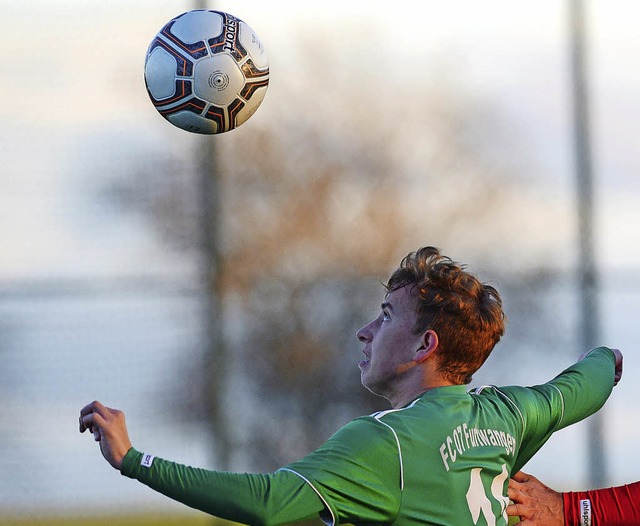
130, 461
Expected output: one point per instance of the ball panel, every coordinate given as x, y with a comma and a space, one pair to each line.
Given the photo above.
219, 117
194, 105
182, 66
250, 71
218, 79
194, 123
255, 91
159, 74
250, 41
194, 27
246, 111
182, 91
195, 50
227, 41
235, 111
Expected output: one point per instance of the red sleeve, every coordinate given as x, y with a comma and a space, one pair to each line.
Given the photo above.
619, 506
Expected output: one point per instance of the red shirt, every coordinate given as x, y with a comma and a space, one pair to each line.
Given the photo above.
619, 506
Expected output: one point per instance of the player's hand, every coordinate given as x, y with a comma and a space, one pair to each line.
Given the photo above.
109, 428
618, 373
618, 369
535, 503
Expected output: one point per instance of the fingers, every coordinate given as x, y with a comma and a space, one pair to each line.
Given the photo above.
516, 485
534, 502
513, 510
513, 491
518, 509
86, 422
89, 421
516, 492
521, 476
94, 413
94, 422
618, 371
86, 411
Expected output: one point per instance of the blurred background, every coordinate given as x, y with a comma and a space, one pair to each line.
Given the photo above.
211, 287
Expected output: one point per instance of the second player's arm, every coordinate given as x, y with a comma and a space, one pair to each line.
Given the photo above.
616, 506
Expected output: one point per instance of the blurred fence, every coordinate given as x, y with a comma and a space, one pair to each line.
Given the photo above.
63, 346
134, 344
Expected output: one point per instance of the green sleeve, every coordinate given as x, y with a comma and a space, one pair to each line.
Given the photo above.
357, 473
278, 498
573, 395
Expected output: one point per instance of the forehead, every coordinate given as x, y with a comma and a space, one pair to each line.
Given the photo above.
401, 300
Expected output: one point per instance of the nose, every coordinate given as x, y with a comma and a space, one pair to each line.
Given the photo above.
364, 334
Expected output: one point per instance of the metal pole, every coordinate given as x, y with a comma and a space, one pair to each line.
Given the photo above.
587, 272
216, 355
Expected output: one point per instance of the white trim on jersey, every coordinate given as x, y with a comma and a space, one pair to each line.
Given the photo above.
504, 395
399, 451
381, 414
326, 505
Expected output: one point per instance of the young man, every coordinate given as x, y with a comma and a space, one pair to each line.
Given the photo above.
539, 505
441, 455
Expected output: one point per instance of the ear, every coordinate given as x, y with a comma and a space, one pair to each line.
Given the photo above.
429, 343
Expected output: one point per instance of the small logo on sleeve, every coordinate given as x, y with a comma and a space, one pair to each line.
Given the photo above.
147, 460
585, 512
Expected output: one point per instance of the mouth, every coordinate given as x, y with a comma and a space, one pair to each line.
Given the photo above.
365, 361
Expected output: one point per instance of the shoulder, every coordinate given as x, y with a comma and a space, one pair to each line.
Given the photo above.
507, 396
364, 441
371, 427
366, 438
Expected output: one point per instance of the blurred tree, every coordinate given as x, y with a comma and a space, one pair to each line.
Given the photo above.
318, 201
313, 216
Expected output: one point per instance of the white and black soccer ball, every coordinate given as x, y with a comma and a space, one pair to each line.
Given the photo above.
206, 71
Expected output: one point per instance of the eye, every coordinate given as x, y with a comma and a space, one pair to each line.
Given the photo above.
385, 316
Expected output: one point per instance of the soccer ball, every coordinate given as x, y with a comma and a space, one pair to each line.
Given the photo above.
206, 71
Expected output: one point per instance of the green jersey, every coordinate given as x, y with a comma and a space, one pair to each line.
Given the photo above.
445, 459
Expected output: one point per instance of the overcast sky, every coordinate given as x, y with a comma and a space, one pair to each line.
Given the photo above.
72, 68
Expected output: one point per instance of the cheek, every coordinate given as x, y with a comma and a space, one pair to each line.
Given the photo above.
400, 347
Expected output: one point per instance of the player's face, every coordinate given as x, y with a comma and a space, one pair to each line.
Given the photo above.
390, 344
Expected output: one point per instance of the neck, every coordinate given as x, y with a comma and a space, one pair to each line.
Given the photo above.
407, 394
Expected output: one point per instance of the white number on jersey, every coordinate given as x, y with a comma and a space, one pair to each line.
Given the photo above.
479, 501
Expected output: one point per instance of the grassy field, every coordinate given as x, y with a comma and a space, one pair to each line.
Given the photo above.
125, 520
119, 520
116, 520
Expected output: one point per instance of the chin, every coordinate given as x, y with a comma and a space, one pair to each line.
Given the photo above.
368, 385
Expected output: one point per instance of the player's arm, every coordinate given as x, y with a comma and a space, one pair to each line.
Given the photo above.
576, 393
539, 505
247, 498
587, 384
277, 498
